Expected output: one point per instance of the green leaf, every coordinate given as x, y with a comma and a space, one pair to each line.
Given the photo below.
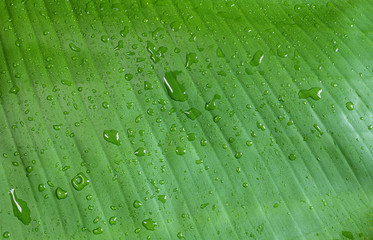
161, 119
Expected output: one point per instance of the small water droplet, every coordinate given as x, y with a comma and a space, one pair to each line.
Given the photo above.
291, 157
105, 105
112, 136
175, 26
137, 204
314, 93
140, 152
162, 198
74, 47
192, 113
180, 151
98, 231
60, 193
41, 187
348, 234
219, 52
180, 235
113, 220
191, 58
149, 224
350, 106
124, 32
14, 90
257, 58
212, 104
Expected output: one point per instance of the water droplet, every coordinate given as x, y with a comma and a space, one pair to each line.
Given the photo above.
180, 235
41, 187
60, 193
238, 155
105, 38
219, 52
192, 113
314, 93
124, 32
348, 234
14, 90
113, 220
180, 151
291, 157
128, 76
191, 136
119, 46
148, 85
20, 208
175, 26
217, 118
98, 231
257, 59
6, 234
191, 58
140, 152
105, 105
74, 47
57, 126
162, 198
350, 106
112, 136
149, 224
212, 104
80, 181
204, 205
137, 204
153, 51
175, 90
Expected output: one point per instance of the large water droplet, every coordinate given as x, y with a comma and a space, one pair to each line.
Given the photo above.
175, 90
20, 208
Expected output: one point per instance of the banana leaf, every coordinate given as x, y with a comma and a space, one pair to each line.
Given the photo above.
194, 119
